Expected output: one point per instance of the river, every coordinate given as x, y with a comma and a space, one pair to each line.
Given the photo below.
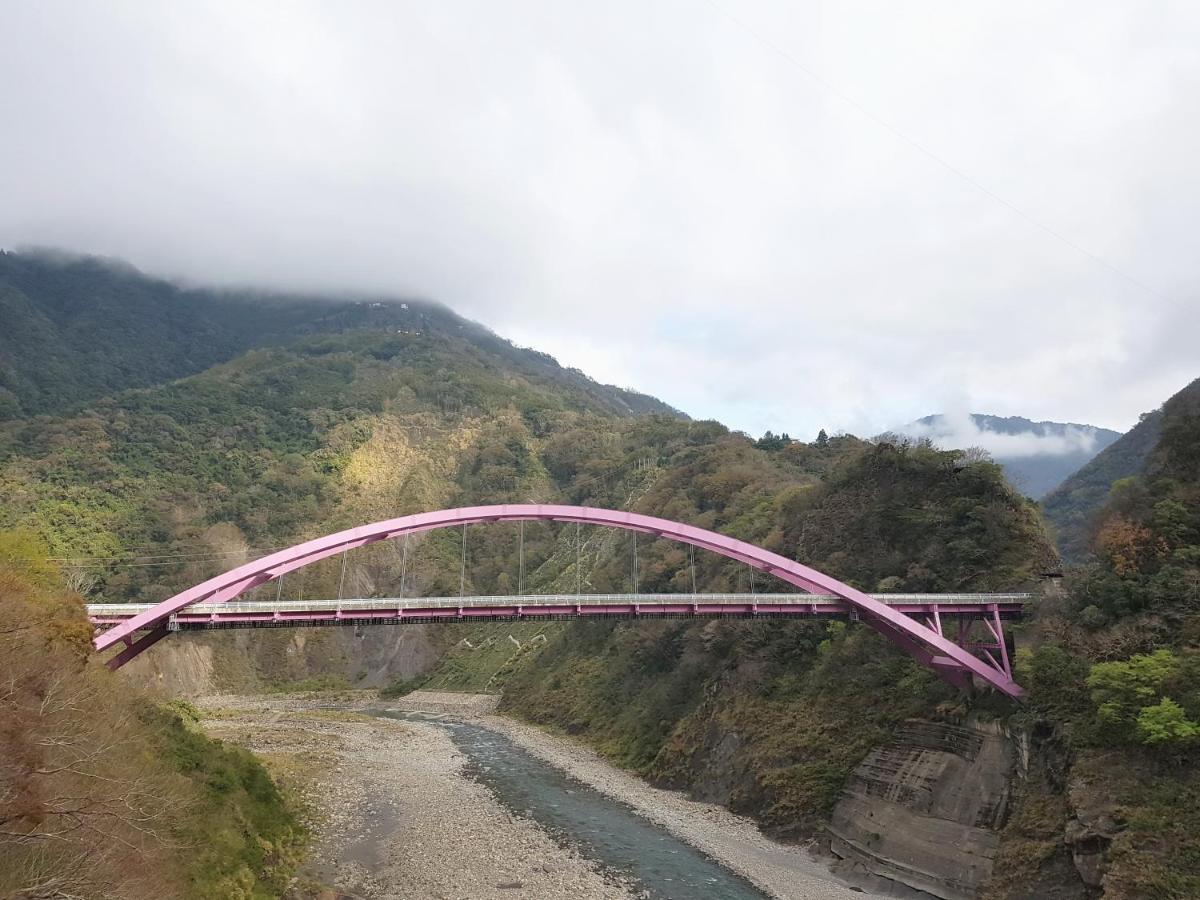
643, 855
409, 805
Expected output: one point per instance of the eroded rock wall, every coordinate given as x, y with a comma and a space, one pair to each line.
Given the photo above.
925, 810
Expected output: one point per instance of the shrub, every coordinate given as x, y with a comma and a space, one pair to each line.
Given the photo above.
1165, 725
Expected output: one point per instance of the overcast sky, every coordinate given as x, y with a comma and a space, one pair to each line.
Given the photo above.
659, 193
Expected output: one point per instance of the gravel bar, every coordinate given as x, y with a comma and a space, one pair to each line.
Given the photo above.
394, 814
445, 836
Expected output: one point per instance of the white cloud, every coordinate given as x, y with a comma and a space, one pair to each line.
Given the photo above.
648, 192
959, 430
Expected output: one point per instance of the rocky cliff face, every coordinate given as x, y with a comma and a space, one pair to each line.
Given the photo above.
925, 810
932, 813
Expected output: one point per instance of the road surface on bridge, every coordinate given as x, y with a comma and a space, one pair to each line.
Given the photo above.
390, 610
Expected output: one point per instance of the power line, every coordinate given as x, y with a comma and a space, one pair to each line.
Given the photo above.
925, 151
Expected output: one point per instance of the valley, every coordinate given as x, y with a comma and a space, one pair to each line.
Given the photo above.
855, 745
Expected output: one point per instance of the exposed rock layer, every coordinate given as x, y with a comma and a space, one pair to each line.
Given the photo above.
925, 810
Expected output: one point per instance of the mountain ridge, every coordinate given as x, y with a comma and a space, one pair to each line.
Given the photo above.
1072, 507
79, 328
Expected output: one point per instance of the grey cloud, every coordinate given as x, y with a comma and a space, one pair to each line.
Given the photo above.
648, 192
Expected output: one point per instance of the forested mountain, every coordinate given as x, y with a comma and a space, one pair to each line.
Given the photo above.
77, 329
154, 487
1114, 680
802, 701
366, 409
280, 443
1072, 508
1035, 456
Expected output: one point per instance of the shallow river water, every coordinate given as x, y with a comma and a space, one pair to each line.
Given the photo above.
598, 827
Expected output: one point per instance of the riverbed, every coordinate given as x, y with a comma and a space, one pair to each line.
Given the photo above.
477, 806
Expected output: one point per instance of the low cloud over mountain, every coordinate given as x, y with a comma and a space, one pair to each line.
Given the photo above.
1036, 456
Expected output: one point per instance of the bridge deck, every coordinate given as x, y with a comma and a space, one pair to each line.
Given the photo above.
387, 610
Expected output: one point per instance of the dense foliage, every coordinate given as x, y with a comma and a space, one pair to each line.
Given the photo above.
104, 792
1116, 676
326, 432
333, 429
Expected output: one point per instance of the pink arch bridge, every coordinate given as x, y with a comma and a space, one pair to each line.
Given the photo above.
958, 661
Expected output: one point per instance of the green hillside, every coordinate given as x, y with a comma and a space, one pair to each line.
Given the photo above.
365, 419
182, 479
1114, 684
1072, 509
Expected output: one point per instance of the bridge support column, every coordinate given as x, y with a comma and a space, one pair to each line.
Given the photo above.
935, 621
996, 627
994, 651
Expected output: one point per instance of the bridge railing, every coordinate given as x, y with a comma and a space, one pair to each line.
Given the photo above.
124, 610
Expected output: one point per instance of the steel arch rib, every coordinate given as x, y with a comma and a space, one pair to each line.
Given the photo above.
943, 655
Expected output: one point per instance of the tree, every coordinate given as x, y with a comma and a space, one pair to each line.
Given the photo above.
1165, 725
1122, 689
1128, 545
770, 441
822, 438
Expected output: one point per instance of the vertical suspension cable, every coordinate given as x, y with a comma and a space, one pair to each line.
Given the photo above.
578, 570
692, 565
403, 564
751, 568
342, 580
278, 588
521, 564
462, 571
635, 566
